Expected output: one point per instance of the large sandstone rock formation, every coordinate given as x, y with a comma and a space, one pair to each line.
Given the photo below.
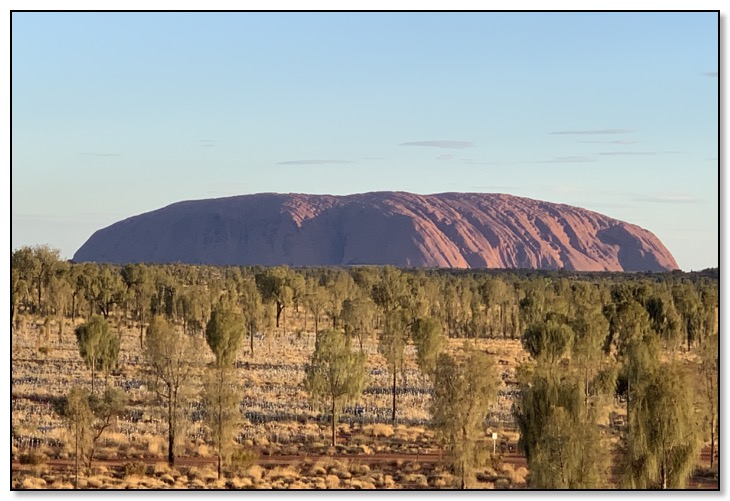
459, 230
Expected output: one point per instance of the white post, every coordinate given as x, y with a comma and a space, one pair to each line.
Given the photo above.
494, 443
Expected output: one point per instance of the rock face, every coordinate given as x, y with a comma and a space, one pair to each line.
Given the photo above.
460, 230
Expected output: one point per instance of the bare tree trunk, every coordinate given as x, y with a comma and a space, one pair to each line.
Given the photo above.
394, 373
170, 428
220, 427
334, 437
279, 309
250, 329
39, 294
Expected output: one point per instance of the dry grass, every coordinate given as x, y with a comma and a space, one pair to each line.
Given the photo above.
332, 482
33, 483
255, 472
155, 446
282, 472
520, 476
378, 430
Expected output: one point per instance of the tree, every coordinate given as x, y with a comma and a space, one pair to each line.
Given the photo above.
104, 288
708, 297
105, 410
661, 451
138, 280
272, 285
590, 329
250, 302
558, 432
47, 259
59, 293
532, 304
315, 301
22, 270
172, 357
357, 317
429, 341
79, 416
392, 345
569, 454
689, 307
462, 394
221, 399
340, 288
665, 320
224, 334
494, 292
391, 292
98, 346
550, 339
88, 417
637, 349
335, 375
709, 374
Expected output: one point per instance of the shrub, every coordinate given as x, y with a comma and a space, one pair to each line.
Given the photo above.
32, 458
318, 470
255, 472
379, 430
33, 483
134, 469
332, 481
243, 458
501, 483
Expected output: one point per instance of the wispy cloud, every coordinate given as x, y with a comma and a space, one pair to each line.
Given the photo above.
99, 154
591, 132
441, 144
206, 143
373, 158
567, 160
618, 141
711, 74
314, 162
445, 157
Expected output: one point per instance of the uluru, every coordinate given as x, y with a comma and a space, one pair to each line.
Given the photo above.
446, 230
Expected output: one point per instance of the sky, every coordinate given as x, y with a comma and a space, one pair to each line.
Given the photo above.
116, 114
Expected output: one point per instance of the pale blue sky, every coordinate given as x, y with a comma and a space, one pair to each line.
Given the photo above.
114, 114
